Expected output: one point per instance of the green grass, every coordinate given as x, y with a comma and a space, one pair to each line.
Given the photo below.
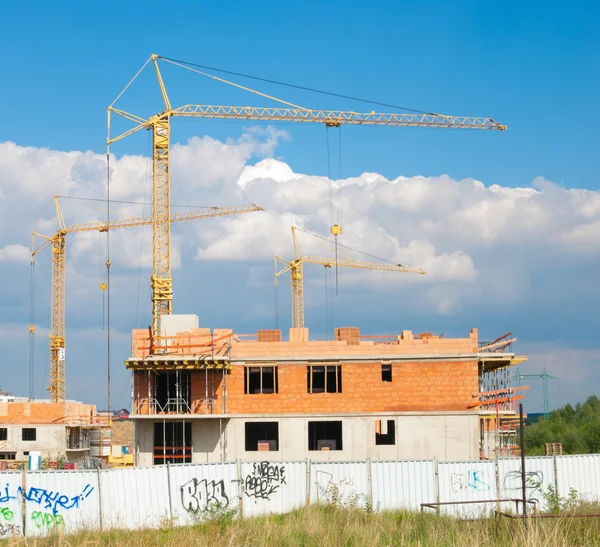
330, 526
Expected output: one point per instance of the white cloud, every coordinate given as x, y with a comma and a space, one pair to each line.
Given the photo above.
436, 223
15, 253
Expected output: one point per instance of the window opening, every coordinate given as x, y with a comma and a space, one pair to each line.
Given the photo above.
325, 435
386, 373
3, 433
324, 378
385, 432
28, 434
8, 455
262, 436
260, 380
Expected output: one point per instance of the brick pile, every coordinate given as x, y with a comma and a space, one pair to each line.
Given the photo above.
273, 335
350, 335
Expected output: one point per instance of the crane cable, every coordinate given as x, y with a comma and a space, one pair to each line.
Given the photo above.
31, 328
335, 227
293, 86
107, 286
276, 298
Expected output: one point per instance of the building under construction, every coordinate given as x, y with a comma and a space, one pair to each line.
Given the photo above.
202, 395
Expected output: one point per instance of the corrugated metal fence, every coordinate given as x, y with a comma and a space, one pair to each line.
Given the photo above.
35, 503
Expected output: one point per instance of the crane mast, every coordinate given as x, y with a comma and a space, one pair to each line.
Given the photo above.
161, 281
58, 283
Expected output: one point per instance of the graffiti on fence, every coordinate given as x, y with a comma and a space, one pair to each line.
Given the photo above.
9, 529
50, 499
512, 484
48, 521
55, 500
6, 513
331, 491
473, 479
264, 480
201, 496
5, 495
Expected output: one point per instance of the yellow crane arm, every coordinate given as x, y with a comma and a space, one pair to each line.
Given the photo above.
332, 118
103, 226
349, 263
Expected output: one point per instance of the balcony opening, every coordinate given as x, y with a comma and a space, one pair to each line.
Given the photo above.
325, 435
385, 432
324, 379
260, 380
262, 436
386, 373
173, 391
172, 442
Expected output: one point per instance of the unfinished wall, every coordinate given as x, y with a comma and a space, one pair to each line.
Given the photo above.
47, 413
427, 386
414, 386
446, 436
348, 343
50, 440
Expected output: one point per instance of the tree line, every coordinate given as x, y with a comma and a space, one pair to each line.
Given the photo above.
577, 428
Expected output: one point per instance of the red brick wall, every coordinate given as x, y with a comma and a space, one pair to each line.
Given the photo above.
419, 386
414, 386
46, 413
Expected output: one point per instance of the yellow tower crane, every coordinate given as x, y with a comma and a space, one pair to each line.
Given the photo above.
295, 267
57, 299
160, 125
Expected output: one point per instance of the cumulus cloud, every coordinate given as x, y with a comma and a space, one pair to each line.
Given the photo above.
435, 223
15, 253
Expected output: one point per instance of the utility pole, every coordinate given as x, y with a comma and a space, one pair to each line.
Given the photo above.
544, 377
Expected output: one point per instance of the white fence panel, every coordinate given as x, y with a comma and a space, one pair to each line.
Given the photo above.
134, 498
403, 484
199, 490
64, 501
539, 474
273, 487
344, 483
11, 515
581, 473
467, 482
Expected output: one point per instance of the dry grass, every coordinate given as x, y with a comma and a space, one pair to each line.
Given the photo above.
330, 526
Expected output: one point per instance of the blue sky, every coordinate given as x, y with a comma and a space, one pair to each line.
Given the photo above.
528, 65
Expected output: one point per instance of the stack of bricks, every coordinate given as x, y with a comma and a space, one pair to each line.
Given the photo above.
273, 335
140, 343
350, 335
